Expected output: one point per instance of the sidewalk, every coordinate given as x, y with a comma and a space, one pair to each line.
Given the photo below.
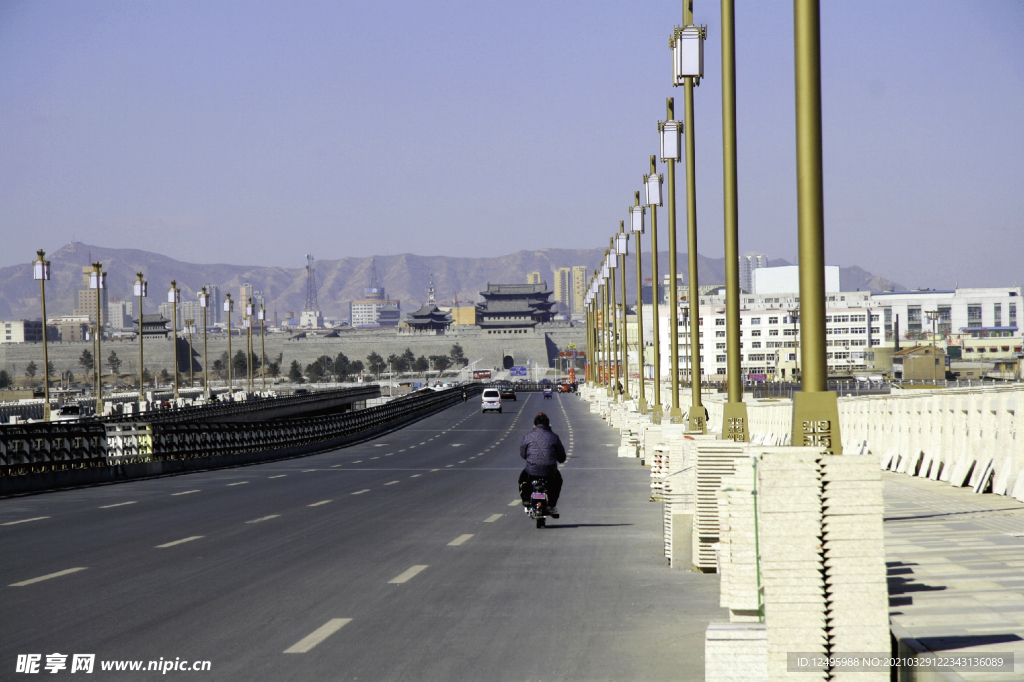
955, 575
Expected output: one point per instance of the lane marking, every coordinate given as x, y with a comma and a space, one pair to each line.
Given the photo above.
391, 482
389, 454
360, 492
358, 461
514, 503
187, 492
317, 504
492, 518
317, 636
47, 577
380, 445
459, 540
278, 476
239, 483
407, 575
307, 470
14, 523
119, 504
264, 518
178, 542
415, 475
462, 462
375, 458
335, 466
435, 469
448, 465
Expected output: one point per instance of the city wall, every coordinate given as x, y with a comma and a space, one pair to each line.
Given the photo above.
540, 346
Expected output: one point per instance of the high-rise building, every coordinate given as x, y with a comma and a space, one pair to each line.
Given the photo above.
563, 287
190, 310
245, 292
533, 277
167, 312
579, 287
213, 313
375, 309
87, 299
748, 263
119, 315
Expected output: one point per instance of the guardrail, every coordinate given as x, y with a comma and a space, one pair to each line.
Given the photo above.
47, 455
525, 388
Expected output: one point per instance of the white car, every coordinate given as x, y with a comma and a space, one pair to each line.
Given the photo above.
490, 400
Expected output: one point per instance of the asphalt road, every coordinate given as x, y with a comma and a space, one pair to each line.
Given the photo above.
407, 557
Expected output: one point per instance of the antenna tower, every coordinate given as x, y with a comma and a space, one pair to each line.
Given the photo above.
311, 304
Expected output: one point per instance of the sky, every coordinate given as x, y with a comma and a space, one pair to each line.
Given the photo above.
254, 132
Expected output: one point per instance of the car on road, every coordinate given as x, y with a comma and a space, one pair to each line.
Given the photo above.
490, 399
67, 413
507, 393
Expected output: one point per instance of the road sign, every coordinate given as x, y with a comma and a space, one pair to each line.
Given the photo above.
517, 371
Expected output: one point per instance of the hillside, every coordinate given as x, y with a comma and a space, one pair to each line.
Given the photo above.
405, 277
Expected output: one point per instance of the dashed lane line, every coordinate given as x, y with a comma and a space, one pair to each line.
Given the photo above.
514, 503
407, 575
178, 542
119, 504
360, 492
358, 461
391, 482
435, 469
41, 578
239, 483
415, 475
446, 466
264, 518
14, 523
335, 466
278, 476
459, 540
187, 492
492, 518
317, 636
317, 504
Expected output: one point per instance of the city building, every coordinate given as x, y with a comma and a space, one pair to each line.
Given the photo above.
191, 310
21, 331
213, 313
786, 279
155, 325
167, 312
919, 363
533, 277
563, 288
958, 311
465, 315
87, 298
579, 288
748, 263
515, 306
428, 318
375, 309
119, 315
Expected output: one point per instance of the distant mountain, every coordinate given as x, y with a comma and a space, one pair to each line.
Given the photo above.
404, 276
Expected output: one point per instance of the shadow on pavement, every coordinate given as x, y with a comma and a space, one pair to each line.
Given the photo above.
588, 525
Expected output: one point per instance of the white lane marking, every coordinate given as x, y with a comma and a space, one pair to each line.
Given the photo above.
448, 465
415, 475
335, 466
391, 482
317, 636
462, 462
375, 458
14, 523
178, 542
514, 503
119, 504
492, 518
317, 504
380, 445
360, 492
358, 461
187, 492
407, 575
47, 577
412, 447
239, 483
435, 469
264, 518
305, 471
459, 540
457, 445
278, 476
424, 442
389, 454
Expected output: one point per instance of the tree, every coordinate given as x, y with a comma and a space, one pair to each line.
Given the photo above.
342, 366
355, 367
238, 366
295, 373
319, 368
410, 358
458, 356
114, 362
85, 360
421, 364
376, 363
441, 362
218, 367
274, 369
5, 379
51, 368
165, 376
30, 370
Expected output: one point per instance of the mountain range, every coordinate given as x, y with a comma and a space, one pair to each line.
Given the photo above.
405, 277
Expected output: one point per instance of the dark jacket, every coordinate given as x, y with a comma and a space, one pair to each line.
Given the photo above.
543, 451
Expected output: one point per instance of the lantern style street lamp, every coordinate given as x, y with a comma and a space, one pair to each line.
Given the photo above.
41, 272
229, 305
190, 327
670, 153
204, 303
652, 189
636, 224
612, 260
141, 289
621, 251
98, 281
248, 343
173, 296
261, 315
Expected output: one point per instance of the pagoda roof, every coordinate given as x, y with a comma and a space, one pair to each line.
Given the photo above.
521, 290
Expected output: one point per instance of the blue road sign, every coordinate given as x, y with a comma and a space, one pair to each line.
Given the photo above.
517, 371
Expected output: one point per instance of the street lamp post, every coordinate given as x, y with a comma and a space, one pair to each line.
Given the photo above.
621, 249
605, 335
141, 289
262, 315
249, 314
933, 317
652, 187
190, 327
204, 303
636, 225
815, 408
613, 310
734, 412
98, 281
229, 306
173, 296
41, 272
671, 151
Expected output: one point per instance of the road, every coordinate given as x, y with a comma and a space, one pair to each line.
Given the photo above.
406, 557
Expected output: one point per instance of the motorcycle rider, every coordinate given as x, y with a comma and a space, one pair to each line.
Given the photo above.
465, 395
543, 451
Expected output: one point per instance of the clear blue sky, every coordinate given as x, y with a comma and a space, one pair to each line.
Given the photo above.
252, 132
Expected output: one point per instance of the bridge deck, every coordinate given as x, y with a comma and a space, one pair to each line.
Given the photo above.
411, 536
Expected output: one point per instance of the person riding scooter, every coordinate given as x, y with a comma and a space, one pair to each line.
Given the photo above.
543, 451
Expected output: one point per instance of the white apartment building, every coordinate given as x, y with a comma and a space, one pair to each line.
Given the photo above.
119, 315
748, 263
21, 331
959, 311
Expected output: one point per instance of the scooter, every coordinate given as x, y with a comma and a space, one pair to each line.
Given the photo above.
547, 393
539, 509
